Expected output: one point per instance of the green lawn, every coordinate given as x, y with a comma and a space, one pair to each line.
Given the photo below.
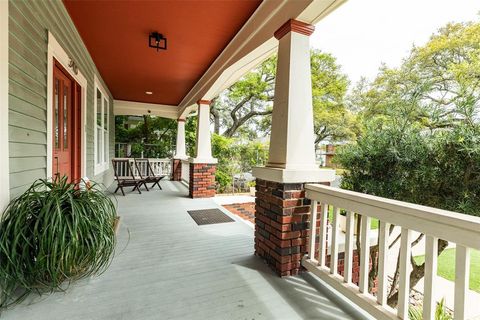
446, 267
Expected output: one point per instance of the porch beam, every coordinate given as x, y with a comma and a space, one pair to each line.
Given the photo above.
131, 108
4, 153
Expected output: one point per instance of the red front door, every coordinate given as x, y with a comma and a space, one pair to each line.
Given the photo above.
66, 97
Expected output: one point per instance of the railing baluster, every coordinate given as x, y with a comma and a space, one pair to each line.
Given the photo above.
349, 237
313, 230
322, 246
462, 276
365, 254
334, 246
431, 252
405, 266
410, 220
382, 262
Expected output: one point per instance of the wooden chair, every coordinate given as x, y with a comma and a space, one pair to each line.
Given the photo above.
146, 172
125, 176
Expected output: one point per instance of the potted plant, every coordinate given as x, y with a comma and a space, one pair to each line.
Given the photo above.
53, 234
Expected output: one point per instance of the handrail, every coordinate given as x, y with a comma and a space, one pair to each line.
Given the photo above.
160, 166
461, 229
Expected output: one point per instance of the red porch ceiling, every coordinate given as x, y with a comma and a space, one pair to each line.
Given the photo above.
116, 35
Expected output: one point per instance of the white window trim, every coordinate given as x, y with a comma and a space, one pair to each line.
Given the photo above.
56, 51
105, 163
4, 151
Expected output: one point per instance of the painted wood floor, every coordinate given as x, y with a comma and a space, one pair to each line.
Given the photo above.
167, 267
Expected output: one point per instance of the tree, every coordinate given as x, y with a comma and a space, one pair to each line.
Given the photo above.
152, 136
244, 108
420, 131
332, 120
246, 99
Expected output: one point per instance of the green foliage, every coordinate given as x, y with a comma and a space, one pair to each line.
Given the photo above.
332, 120
190, 134
439, 169
420, 134
51, 235
154, 136
441, 313
240, 109
235, 157
446, 266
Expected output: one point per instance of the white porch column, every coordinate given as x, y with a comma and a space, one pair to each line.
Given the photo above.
180, 152
202, 167
281, 210
4, 153
203, 145
292, 140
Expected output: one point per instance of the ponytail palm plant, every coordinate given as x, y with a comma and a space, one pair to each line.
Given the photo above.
51, 235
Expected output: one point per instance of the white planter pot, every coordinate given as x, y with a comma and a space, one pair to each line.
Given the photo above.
342, 221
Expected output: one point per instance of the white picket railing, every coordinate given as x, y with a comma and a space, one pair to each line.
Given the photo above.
435, 224
159, 167
186, 171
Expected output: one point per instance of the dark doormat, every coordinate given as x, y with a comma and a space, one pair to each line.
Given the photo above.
209, 216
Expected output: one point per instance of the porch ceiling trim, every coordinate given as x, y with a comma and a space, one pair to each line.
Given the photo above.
253, 44
130, 108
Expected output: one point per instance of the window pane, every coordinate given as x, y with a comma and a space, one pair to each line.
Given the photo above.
106, 145
65, 117
105, 114
99, 108
55, 125
99, 144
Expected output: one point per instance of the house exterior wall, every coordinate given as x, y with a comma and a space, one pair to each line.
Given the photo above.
29, 24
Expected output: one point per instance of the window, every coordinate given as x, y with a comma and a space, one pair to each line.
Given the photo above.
101, 129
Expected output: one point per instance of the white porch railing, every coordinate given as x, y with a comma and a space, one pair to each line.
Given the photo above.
186, 171
463, 230
159, 167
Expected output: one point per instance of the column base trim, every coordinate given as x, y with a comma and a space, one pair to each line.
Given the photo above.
293, 175
204, 160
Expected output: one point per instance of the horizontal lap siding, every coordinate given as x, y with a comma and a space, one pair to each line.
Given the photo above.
29, 23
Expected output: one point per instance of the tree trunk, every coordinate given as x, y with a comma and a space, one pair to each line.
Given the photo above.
216, 119
418, 272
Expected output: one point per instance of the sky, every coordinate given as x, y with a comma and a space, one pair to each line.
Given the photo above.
362, 34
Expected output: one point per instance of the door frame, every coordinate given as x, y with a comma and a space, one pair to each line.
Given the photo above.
55, 51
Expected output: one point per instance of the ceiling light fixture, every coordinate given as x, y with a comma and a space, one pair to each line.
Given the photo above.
157, 40
148, 92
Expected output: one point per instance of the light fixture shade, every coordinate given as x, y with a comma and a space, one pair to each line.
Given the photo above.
157, 40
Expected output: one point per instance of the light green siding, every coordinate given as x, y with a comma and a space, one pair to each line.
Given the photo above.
29, 23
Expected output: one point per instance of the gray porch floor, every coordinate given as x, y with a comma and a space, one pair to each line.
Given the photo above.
173, 269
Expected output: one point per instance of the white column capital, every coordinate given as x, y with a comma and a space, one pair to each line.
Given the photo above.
294, 26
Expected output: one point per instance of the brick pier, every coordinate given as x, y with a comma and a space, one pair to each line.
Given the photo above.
202, 180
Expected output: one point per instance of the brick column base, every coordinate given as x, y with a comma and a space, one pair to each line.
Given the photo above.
176, 170
282, 221
202, 180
